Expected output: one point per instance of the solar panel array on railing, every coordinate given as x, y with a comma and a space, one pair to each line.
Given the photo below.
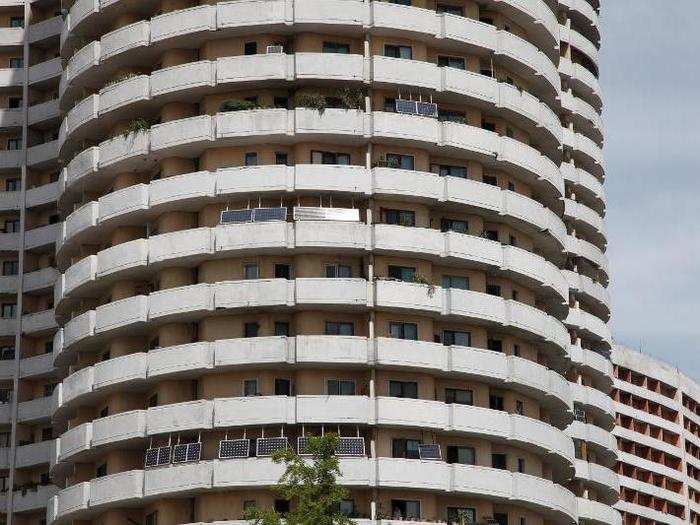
415, 107
430, 451
157, 456
187, 452
268, 446
234, 448
351, 446
253, 215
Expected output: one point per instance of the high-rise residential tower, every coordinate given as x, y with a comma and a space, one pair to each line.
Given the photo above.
267, 219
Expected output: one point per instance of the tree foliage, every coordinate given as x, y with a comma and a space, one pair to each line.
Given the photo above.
309, 482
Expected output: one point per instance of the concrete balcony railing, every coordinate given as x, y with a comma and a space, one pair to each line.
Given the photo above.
584, 249
45, 29
11, 77
35, 366
43, 279
602, 441
519, 374
41, 237
34, 454
39, 322
11, 118
9, 284
43, 154
596, 402
45, 71
589, 326
78, 501
44, 111
33, 500
35, 410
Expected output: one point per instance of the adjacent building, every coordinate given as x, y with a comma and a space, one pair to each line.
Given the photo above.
231, 225
658, 436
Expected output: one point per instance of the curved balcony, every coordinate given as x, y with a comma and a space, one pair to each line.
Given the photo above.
195, 301
198, 23
585, 185
493, 425
589, 327
136, 369
585, 152
583, 82
602, 479
580, 42
601, 441
584, 116
593, 363
85, 499
194, 135
36, 366
95, 114
584, 16
587, 221
594, 294
595, 401
585, 250
597, 513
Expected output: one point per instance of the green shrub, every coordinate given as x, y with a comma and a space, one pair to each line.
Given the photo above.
237, 105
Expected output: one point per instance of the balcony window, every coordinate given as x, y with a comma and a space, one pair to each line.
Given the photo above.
251, 329
495, 345
404, 331
47, 434
450, 9
395, 51
16, 63
336, 47
14, 102
251, 271
7, 353
105, 411
453, 225
101, 470
282, 506
457, 396
405, 509
403, 162
251, 159
496, 402
281, 328
486, 20
281, 159
400, 2
330, 157
403, 389
402, 273
490, 180
16, 21
14, 144
457, 338
488, 125
281, 103
339, 328
455, 281
347, 508
405, 448
445, 170
283, 387
453, 116
12, 226
501, 518
250, 387
338, 271
519, 407
250, 48
340, 387
9, 310
12, 184
461, 515
493, 289
151, 518
399, 217
499, 461
283, 271
521, 465
10, 267
462, 455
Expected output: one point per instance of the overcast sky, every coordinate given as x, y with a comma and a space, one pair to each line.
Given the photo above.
650, 69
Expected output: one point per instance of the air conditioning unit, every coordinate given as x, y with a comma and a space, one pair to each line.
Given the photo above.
275, 49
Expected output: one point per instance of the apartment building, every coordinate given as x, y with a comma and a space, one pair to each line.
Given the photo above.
658, 436
231, 225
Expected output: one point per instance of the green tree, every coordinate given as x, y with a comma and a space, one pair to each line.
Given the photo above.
311, 483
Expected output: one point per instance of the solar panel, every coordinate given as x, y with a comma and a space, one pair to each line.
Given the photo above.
268, 446
234, 448
427, 109
406, 106
187, 452
303, 446
351, 446
269, 214
431, 452
157, 456
236, 216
